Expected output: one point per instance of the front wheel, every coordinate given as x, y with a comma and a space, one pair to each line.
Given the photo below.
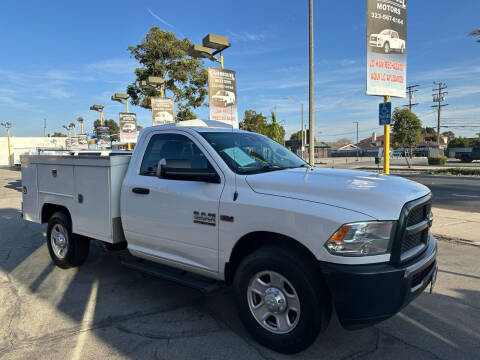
281, 300
66, 249
386, 48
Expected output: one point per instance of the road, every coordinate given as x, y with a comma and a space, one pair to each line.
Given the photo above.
452, 192
103, 310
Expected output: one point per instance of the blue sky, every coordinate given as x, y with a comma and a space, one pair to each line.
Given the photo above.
60, 57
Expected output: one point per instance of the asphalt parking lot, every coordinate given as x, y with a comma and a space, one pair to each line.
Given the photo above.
104, 310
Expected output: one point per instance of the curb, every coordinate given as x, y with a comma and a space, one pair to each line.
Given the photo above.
456, 240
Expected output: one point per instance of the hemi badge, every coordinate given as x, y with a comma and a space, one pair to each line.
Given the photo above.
226, 218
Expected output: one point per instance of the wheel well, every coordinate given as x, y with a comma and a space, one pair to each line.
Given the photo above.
49, 209
256, 240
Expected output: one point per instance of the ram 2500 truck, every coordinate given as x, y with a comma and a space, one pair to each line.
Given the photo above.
234, 206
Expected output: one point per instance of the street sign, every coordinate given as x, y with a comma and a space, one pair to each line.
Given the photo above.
386, 47
128, 127
163, 110
385, 113
222, 96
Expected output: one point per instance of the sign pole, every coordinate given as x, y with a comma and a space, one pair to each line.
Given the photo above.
386, 143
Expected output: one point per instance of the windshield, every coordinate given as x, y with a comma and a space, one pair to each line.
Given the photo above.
250, 153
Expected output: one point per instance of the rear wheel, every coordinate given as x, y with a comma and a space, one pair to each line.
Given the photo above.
66, 249
466, 159
280, 299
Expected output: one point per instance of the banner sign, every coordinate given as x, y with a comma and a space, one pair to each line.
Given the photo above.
163, 111
222, 95
82, 142
74, 143
386, 47
128, 127
103, 136
68, 143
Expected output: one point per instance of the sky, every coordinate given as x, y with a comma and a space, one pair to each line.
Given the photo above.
59, 57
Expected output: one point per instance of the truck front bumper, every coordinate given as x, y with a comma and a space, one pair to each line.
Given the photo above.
367, 294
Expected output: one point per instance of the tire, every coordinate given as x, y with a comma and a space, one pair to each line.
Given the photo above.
305, 297
466, 159
386, 48
66, 249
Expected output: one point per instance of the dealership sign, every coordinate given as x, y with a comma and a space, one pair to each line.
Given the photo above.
128, 127
222, 96
386, 47
163, 111
103, 136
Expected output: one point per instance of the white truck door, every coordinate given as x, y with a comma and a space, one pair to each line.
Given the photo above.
175, 220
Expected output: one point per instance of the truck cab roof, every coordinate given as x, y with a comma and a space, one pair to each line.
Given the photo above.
198, 125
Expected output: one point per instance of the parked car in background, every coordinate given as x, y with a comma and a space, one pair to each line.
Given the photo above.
388, 40
467, 157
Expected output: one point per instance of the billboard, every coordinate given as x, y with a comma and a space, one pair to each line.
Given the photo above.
82, 141
222, 96
103, 136
128, 127
386, 47
163, 110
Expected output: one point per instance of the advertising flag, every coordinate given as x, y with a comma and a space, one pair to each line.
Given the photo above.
386, 47
128, 127
222, 95
163, 111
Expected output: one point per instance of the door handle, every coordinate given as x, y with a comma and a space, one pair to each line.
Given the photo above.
141, 191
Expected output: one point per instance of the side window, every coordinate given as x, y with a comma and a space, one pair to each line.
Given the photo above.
172, 147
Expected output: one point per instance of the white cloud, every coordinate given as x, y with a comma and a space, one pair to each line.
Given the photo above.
159, 18
113, 66
246, 36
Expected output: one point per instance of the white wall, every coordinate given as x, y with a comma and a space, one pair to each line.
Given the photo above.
21, 145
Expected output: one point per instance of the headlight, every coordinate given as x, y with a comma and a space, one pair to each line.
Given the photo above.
361, 239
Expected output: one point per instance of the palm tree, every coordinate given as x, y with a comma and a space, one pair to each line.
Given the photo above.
476, 32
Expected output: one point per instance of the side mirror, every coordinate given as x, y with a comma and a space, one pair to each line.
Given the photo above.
180, 169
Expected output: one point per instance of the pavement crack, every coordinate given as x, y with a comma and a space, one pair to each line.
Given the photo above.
364, 353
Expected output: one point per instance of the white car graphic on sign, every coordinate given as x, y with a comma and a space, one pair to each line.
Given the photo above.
224, 98
388, 40
163, 117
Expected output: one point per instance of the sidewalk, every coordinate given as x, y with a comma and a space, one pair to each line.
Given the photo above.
458, 225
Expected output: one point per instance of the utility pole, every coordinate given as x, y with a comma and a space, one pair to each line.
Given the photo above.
45, 127
356, 122
410, 92
311, 102
439, 97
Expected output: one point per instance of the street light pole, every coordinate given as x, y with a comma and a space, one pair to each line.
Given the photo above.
356, 122
302, 129
7, 126
311, 121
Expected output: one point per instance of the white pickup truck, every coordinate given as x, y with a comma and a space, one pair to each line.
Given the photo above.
239, 208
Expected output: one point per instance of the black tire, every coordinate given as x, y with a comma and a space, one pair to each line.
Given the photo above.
116, 247
75, 252
313, 296
466, 159
386, 48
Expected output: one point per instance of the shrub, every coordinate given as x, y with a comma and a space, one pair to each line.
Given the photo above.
437, 160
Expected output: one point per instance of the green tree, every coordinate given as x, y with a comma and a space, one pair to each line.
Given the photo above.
253, 121
162, 54
113, 128
296, 135
275, 131
429, 130
58, 134
460, 142
407, 128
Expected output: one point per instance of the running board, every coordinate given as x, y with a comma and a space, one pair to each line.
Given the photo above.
181, 277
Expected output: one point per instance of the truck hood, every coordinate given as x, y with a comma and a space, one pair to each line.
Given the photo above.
379, 196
